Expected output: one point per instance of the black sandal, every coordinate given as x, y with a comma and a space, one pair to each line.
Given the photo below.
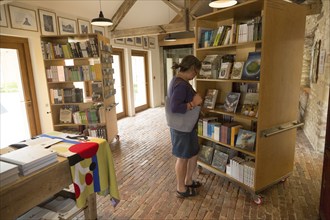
195, 184
188, 193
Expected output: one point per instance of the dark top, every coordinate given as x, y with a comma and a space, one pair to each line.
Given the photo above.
180, 93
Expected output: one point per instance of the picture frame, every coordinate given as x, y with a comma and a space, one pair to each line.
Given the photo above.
22, 18
152, 42
98, 30
145, 42
120, 41
47, 21
67, 26
84, 27
138, 41
3, 16
130, 41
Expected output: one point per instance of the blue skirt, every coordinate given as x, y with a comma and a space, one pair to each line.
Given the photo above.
184, 144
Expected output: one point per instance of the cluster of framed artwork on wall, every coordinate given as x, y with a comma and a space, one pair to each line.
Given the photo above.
50, 24
144, 41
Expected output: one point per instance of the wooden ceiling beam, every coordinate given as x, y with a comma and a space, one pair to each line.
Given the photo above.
152, 30
121, 12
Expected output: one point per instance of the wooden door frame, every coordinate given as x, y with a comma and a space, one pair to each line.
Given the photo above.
120, 53
30, 97
145, 55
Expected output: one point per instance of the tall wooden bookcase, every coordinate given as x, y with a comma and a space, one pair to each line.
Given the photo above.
84, 62
281, 47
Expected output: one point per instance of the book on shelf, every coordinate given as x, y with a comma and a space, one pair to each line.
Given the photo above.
225, 70
206, 121
251, 69
210, 98
249, 171
236, 72
210, 65
250, 104
65, 115
231, 101
234, 134
220, 160
206, 154
225, 131
246, 140
237, 168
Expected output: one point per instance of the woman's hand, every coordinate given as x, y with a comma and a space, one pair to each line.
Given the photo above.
197, 100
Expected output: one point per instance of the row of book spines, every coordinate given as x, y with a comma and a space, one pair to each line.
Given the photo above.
236, 33
241, 170
89, 116
71, 73
98, 131
70, 50
225, 133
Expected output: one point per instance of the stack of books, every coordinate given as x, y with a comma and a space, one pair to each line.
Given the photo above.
8, 173
30, 159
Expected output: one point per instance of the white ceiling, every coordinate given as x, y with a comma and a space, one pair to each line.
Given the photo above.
143, 13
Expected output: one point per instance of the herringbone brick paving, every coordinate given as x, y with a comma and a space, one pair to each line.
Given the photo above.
145, 174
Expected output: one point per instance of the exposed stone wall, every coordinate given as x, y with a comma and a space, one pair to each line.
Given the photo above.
314, 110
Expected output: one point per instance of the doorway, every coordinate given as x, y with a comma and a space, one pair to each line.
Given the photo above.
19, 116
120, 83
173, 54
140, 80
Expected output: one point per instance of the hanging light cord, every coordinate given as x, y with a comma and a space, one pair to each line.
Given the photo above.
100, 6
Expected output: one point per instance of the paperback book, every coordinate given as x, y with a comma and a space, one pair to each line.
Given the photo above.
246, 140
210, 98
237, 69
206, 154
220, 160
251, 69
231, 101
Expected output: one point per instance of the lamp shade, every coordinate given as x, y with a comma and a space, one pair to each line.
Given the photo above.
169, 38
101, 20
222, 3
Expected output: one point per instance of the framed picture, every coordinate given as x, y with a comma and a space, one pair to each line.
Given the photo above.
47, 22
145, 42
120, 41
98, 30
84, 26
22, 18
3, 17
152, 42
130, 41
67, 26
138, 41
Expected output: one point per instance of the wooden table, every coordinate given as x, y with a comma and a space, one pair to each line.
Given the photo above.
31, 190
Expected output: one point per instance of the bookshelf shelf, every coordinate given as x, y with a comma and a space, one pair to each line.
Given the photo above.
229, 146
85, 85
282, 23
220, 173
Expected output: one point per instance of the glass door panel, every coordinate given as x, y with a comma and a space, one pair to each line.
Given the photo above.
13, 115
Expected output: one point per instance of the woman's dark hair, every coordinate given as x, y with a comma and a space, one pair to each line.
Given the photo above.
187, 62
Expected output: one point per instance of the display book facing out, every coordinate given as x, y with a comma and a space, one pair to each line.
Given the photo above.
250, 101
80, 84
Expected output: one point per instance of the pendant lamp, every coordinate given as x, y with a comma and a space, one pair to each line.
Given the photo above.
222, 3
101, 20
169, 38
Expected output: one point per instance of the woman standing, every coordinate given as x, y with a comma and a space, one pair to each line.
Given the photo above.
183, 98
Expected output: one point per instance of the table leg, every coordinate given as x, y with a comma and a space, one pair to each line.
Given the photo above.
91, 210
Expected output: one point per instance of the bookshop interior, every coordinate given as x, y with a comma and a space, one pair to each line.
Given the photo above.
84, 124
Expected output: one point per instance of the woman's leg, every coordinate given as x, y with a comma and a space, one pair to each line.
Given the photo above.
181, 172
191, 166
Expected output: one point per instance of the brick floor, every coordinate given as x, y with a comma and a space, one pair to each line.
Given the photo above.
145, 174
